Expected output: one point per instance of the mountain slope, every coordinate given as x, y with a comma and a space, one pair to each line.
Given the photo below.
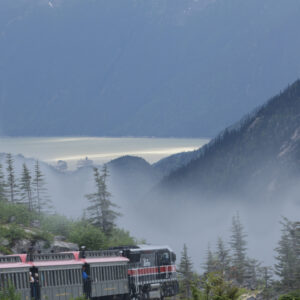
141, 68
259, 156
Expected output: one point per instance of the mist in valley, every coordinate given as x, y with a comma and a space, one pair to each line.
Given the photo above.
174, 219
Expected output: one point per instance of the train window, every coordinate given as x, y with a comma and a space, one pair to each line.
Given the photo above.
163, 258
66, 277
50, 278
9, 277
62, 277
102, 274
107, 273
76, 277
26, 280
112, 272
69, 277
21, 280
60, 272
72, 277
55, 275
97, 275
43, 278
117, 272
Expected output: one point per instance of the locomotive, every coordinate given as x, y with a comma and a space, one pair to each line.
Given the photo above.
124, 273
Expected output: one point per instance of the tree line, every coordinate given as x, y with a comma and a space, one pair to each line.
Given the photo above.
25, 202
28, 189
228, 270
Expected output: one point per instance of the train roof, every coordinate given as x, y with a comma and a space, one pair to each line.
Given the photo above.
13, 265
149, 248
106, 259
51, 263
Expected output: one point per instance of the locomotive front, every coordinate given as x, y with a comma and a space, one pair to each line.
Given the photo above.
152, 272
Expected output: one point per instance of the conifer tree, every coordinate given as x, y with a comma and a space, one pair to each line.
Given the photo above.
252, 273
211, 261
100, 211
3, 191
266, 276
26, 188
41, 197
288, 255
223, 258
186, 271
11, 181
238, 247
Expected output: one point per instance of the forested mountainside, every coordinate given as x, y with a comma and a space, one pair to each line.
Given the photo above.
258, 156
142, 68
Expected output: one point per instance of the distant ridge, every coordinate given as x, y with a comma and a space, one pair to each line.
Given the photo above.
260, 154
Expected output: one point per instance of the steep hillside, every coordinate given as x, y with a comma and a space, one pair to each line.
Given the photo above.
258, 156
141, 68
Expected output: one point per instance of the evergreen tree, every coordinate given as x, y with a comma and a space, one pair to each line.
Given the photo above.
3, 191
223, 259
186, 271
252, 273
11, 181
100, 211
288, 258
41, 197
238, 247
266, 276
26, 188
211, 263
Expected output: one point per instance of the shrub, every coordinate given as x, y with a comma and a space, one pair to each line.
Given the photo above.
9, 293
56, 224
295, 295
87, 235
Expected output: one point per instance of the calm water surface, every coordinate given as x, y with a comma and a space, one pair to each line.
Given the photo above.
98, 149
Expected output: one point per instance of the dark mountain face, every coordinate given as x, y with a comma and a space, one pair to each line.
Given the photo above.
257, 157
141, 68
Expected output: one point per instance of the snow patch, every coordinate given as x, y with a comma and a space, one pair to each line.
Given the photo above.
50, 4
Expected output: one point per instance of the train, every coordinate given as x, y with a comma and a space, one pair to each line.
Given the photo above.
122, 273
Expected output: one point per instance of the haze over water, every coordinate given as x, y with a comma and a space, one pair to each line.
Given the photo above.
98, 149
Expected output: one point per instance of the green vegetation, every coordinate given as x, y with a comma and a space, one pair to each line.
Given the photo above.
9, 293
25, 213
214, 287
15, 225
295, 295
229, 273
